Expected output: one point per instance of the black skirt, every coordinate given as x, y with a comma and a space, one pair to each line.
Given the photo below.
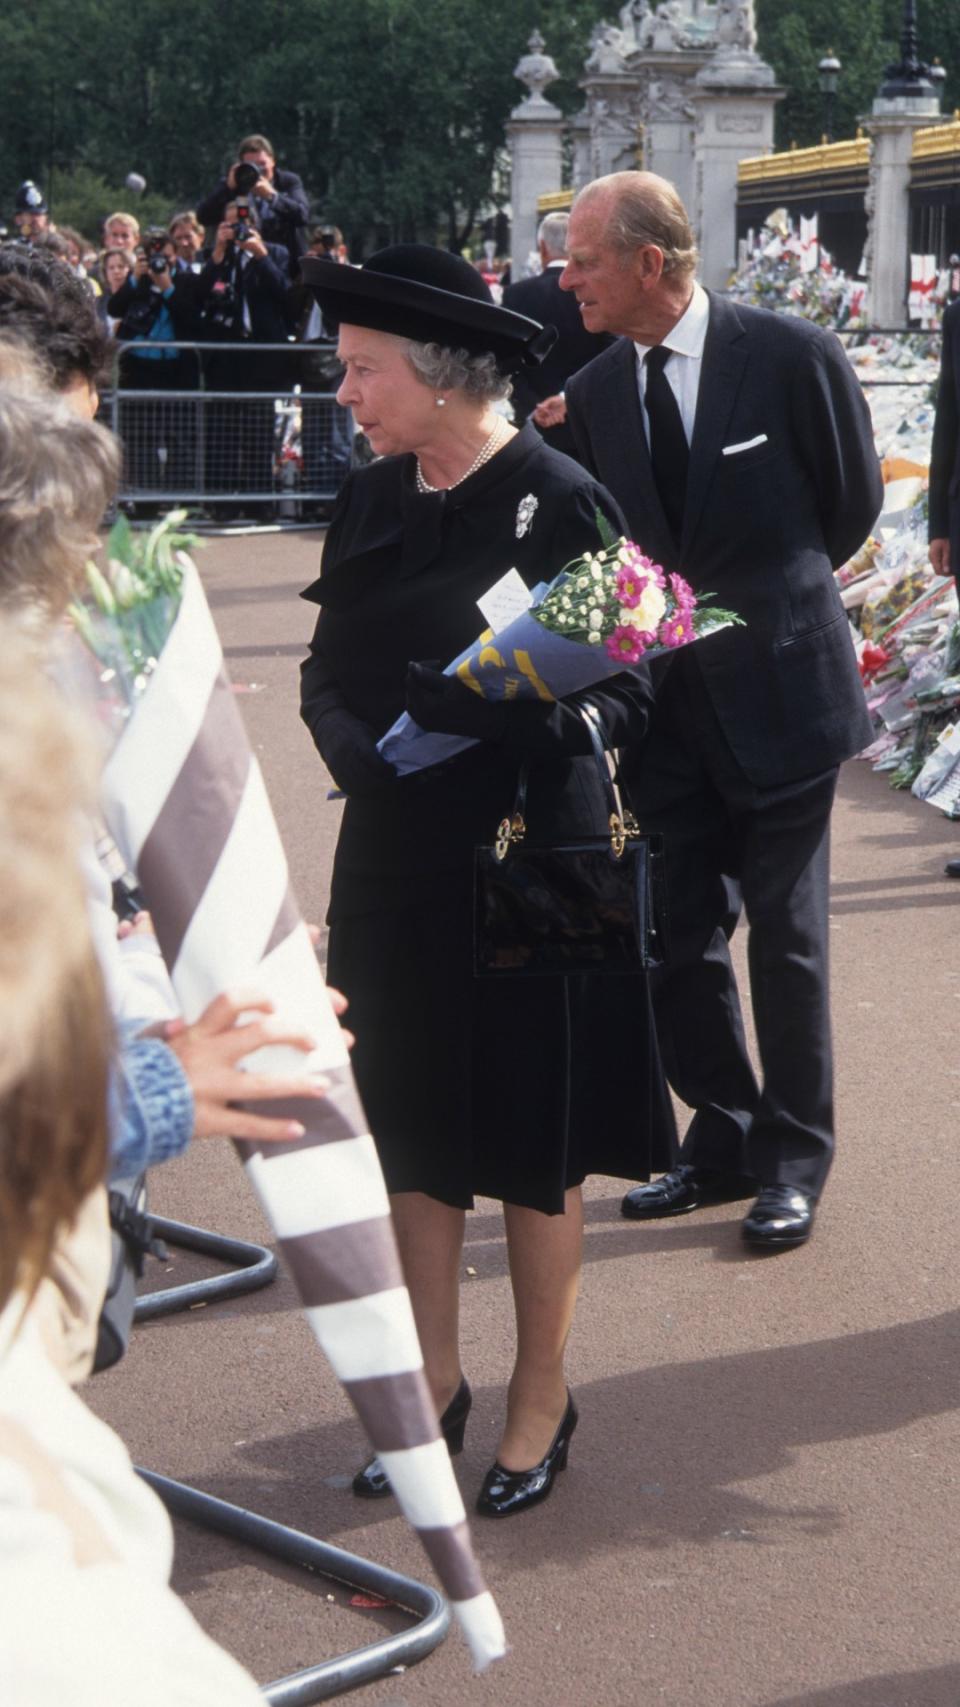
509, 1088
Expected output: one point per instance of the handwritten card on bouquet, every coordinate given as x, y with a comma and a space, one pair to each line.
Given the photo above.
507, 599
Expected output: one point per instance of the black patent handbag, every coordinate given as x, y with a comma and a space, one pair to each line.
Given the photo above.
595, 904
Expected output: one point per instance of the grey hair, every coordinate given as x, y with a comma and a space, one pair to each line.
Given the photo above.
58, 473
552, 233
645, 208
457, 370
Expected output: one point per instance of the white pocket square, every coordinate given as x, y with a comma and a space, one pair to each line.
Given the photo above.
747, 444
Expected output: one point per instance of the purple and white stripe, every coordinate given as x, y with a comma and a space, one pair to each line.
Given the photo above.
184, 799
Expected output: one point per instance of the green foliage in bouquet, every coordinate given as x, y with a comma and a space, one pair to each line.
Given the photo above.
132, 603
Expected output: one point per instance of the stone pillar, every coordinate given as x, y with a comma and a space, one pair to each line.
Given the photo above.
735, 100
535, 141
908, 99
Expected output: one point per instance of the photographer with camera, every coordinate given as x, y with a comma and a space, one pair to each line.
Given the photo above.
280, 204
242, 293
156, 305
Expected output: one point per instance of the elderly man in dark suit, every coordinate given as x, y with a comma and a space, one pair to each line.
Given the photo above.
739, 446
944, 498
540, 394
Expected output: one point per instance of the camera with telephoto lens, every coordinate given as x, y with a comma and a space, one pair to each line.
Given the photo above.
245, 176
242, 226
152, 249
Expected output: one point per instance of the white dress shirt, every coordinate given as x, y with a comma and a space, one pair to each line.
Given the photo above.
685, 341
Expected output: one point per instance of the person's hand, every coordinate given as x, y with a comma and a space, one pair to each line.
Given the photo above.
208, 1052
349, 751
224, 237
940, 556
339, 1004
232, 176
444, 704
164, 280
552, 412
140, 925
254, 246
264, 189
140, 267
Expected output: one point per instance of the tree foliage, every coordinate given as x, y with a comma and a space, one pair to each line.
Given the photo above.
393, 111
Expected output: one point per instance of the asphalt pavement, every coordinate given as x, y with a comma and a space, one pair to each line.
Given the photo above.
762, 1502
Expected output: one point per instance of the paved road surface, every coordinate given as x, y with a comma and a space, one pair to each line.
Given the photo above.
762, 1505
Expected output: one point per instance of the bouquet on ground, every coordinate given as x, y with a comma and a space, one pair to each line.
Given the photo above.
184, 800
604, 612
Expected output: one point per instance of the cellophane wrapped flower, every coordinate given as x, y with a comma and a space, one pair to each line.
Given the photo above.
619, 598
604, 612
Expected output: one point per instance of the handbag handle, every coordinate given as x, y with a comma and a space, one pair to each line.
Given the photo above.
623, 825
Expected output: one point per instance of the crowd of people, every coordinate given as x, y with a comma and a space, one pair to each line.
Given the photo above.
737, 446
226, 274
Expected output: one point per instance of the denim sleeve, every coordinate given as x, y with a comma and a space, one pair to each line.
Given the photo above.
151, 1107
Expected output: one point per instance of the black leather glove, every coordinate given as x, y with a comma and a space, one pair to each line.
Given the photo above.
444, 704
349, 751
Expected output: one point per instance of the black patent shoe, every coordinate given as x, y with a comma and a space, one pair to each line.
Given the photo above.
507, 1491
782, 1216
682, 1189
373, 1483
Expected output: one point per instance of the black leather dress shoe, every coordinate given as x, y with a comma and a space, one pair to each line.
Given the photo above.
682, 1189
781, 1216
373, 1483
952, 868
507, 1491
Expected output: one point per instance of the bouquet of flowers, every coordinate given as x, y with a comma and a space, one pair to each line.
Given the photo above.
604, 611
184, 799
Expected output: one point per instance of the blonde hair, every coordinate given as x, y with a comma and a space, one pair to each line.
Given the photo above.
58, 473
645, 208
54, 1027
130, 218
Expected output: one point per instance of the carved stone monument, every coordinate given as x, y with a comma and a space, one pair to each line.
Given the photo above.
535, 138
735, 99
676, 88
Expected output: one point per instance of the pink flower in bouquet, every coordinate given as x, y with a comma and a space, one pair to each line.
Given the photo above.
683, 593
626, 645
677, 630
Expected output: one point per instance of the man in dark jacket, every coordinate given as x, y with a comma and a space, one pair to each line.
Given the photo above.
280, 202
539, 392
242, 292
155, 307
739, 446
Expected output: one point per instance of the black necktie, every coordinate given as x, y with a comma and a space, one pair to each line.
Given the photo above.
669, 451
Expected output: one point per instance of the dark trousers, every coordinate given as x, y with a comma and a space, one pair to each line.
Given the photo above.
731, 846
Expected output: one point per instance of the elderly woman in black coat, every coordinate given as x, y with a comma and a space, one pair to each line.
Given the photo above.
513, 1089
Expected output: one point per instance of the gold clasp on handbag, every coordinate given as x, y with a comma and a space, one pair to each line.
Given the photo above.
508, 830
622, 830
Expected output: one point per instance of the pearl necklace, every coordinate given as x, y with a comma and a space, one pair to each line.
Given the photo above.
484, 454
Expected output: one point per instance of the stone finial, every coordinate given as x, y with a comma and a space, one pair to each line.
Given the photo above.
537, 70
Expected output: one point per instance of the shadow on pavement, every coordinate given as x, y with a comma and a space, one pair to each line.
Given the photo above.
938, 1687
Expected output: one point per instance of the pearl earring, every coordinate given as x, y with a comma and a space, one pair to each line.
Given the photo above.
441, 403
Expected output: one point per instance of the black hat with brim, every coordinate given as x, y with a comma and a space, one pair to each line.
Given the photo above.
431, 296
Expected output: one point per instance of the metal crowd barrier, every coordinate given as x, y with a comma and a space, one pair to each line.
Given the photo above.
256, 1266
243, 430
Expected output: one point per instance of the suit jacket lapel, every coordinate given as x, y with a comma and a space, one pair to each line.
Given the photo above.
724, 359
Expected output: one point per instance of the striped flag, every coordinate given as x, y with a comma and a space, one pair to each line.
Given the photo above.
184, 799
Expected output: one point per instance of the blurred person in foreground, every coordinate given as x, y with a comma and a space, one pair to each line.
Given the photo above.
280, 202
538, 395
502, 1088
57, 474
87, 1615
739, 444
